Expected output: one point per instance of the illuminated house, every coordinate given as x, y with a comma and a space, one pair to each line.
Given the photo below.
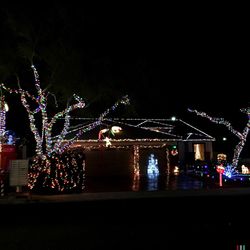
125, 146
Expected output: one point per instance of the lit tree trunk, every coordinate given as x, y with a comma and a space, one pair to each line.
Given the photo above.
2, 119
242, 136
46, 159
239, 147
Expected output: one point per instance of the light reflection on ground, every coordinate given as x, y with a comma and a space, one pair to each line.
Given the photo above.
144, 183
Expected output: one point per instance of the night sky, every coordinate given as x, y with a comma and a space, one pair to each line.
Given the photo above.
165, 59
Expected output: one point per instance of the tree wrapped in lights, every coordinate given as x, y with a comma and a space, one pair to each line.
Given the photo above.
51, 163
2, 119
241, 135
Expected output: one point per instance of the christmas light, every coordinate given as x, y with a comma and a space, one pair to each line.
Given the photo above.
2, 119
124, 100
102, 132
244, 169
230, 171
58, 173
107, 141
115, 129
152, 169
48, 164
136, 160
44, 137
220, 169
242, 136
164, 128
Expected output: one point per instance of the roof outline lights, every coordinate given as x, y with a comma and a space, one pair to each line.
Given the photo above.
211, 137
148, 129
189, 134
142, 123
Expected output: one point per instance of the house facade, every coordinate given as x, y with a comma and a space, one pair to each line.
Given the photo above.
125, 147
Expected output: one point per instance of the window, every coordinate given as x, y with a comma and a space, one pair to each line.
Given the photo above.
199, 152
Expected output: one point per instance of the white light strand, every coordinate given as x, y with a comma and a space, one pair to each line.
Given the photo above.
136, 160
145, 128
45, 149
33, 127
242, 136
46, 131
124, 100
2, 119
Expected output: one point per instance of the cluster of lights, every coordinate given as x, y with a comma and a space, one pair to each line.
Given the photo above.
244, 169
45, 137
163, 128
229, 171
104, 134
134, 140
136, 160
152, 168
136, 182
48, 148
58, 173
147, 128
242, 136
168, 161
2, 119
112, 146
124, 100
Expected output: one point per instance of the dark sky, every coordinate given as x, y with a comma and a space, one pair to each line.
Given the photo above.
166, 59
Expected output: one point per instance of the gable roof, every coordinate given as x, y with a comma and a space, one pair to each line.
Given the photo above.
176, 127
139, 129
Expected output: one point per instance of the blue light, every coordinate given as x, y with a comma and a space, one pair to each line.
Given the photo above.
229, 171
152, 169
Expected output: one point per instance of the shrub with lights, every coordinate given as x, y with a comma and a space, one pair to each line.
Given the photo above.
58, 173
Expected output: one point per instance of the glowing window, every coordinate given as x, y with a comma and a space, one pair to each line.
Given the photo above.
199, 152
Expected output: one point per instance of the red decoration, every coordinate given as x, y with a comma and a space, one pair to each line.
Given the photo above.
220, 169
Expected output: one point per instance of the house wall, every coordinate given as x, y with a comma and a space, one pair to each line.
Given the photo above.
109, 162
181, 154
190, 150
209, 149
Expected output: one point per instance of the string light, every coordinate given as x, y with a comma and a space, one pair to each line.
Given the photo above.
2, 119
47, 161
136, 160
58, 173
124, 100
166, 129
242, 136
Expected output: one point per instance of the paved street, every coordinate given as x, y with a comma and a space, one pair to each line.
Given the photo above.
201, 219
183, 212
